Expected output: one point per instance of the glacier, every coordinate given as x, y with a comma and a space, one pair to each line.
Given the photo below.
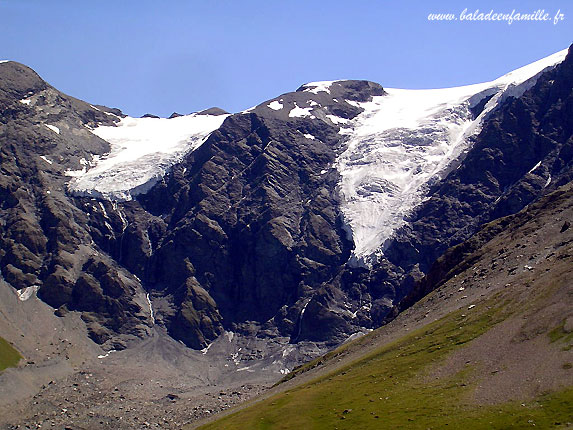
142, 151
405, 141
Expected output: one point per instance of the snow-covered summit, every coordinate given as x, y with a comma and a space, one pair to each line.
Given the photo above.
142, 151
403, 142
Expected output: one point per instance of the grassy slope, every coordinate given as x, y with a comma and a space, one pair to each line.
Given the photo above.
390, 388
9, 357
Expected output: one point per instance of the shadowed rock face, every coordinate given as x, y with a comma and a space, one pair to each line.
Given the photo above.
246, 233
252, 221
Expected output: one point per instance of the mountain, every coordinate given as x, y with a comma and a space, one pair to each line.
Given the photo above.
234, 247
490, 347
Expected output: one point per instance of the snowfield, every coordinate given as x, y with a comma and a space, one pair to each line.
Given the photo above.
403, 142
142, 151
298, 112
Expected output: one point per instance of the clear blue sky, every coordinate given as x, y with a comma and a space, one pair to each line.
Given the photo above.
164, 56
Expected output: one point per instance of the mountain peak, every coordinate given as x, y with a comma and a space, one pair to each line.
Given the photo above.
18, 81
355, 90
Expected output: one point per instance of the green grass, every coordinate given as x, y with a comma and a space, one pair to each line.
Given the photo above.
9, 357
390, 388
558, 334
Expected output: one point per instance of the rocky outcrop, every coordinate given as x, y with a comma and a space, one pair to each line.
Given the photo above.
243, 233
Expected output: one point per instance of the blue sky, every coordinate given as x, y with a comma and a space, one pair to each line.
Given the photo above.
165, 56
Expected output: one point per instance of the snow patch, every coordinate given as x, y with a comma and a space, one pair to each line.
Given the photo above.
150, 309
142, 151
206, 349
403, 142
106, 354
43, 157
25, 293
53, 128
337, 120
275, 105
317, 87
353, 103
26, 101
103, 211
110, 114
298, 112
309, 136
76, 173
535, 167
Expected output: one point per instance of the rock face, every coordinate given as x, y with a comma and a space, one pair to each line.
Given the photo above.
249, 226
45, 238
245, 233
